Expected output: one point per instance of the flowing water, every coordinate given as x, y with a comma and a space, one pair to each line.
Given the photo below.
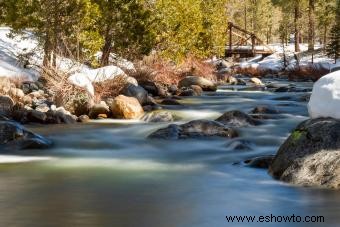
106, 173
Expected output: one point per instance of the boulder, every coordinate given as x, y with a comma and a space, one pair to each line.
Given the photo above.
36, 116
82, 105
205, 84
16, 93
195, 129
158, 116
83, 119
256, 81
310, 156
14, 136
237, 118
197, 90
150, 87
231, 80
325, 99
59, 117
97, 109
137, 92
27, 100
42, 108
124, 107
6, 105
173, 89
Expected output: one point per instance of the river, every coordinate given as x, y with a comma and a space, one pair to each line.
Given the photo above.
107, 173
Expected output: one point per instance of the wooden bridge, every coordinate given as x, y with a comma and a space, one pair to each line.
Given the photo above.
244, 43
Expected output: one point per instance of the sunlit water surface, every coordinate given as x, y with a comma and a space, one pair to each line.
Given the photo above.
106, 173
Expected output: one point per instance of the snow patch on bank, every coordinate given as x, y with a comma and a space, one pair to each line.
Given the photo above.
15, 49
274, 63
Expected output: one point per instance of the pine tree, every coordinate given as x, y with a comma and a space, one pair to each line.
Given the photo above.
125, 26
58, 24
333, 48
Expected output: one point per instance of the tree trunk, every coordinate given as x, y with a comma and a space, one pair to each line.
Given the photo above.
311, 19
47, 52
106, 49
324, 37
296, 25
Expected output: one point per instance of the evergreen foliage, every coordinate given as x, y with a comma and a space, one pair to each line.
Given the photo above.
333, 48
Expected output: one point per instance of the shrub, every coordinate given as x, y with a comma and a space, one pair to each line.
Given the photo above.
109, 88
156, 69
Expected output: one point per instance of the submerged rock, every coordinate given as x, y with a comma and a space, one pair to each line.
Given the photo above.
158, 116
240, 145
14, 136
262, 162
170, 102
310, 156
195, 129
264, 110
205, 84
237, 118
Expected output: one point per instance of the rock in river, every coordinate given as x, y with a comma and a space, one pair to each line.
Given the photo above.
14, 136
137, 92
124, 107
158, 116
311, 155
195, 129
205, 84
237, 118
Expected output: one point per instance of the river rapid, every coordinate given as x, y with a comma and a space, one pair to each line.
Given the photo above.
107, 173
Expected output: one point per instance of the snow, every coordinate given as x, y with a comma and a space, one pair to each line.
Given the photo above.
85, 78
11, 49
118, 61
325, 99
26, 44
274, 63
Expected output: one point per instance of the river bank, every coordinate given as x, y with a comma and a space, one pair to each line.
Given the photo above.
99, 170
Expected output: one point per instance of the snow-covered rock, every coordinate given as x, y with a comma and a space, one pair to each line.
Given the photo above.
325, 99
86, 77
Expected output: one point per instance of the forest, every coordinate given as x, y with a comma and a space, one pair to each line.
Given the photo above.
133, 29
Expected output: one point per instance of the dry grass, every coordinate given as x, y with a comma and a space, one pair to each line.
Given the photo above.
109, 88
62, 91
197, 67
250, 71
156, 69
310, 71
